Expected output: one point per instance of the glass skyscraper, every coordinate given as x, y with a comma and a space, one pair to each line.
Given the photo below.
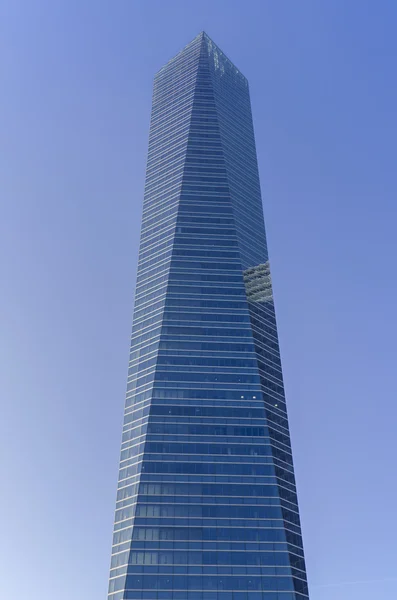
206, 503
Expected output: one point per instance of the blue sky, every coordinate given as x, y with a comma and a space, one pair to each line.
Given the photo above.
74, 119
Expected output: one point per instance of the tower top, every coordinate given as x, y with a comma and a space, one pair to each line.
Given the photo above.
211, 47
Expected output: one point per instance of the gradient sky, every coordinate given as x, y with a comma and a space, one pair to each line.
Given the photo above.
76, 84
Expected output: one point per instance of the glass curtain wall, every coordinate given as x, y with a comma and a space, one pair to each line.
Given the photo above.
206, 503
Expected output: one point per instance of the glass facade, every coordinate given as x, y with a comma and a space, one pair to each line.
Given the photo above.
206, 503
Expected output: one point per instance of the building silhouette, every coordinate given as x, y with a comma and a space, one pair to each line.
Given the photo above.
206, 502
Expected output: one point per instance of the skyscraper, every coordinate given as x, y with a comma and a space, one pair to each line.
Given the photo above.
206, 503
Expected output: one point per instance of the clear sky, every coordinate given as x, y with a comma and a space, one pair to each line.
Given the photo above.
75, 97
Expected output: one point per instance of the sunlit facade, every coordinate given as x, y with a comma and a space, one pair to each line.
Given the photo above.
206, 503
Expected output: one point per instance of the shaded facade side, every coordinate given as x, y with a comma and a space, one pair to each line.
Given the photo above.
206, 504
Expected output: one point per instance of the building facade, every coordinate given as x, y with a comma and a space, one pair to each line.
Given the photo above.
206, 502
